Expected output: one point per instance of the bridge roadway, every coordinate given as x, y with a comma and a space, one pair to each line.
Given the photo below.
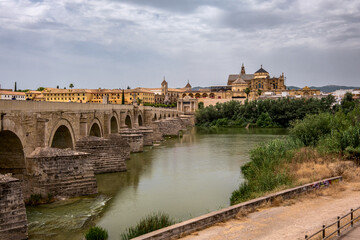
56, 148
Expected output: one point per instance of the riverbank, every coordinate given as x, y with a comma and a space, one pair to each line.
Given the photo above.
288, 219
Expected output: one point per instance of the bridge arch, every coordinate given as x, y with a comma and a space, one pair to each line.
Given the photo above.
128, 121
95, 128
62, 135
12, 156
140, 118
114, 123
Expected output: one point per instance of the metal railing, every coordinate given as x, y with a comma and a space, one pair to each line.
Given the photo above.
327, 235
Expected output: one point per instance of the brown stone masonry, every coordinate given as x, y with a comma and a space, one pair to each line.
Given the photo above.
106, 155
13, 221
61, 172
135, 140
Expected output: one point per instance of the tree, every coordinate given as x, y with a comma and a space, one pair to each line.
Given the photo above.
201, 105
71, 85
15, 88
123, 97
139, 101
259, 92
40, 89
247, 92
348, 103
128, 87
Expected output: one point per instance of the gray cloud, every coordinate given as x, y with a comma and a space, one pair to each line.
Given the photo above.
136, 42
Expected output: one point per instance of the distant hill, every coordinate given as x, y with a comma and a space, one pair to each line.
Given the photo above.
327, 88
197, 88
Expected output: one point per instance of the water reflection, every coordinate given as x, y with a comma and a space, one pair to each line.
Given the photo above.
184, 177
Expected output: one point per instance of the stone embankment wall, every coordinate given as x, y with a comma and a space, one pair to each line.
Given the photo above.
196, 224
61, 172
13, 221
106, 155
170, 127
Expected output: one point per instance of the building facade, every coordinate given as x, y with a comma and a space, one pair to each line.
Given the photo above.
10, 95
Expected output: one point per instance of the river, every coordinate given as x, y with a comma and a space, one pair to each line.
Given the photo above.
183, 177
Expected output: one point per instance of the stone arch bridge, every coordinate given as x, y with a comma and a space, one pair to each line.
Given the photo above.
57, 148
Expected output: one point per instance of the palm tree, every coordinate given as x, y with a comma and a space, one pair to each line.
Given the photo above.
71, 85
247, 92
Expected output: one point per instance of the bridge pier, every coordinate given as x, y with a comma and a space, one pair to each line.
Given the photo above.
106, 154
13, 221
135, 139
60, 172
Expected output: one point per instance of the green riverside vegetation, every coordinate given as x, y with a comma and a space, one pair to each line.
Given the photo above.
261, 113
173, 105
336, 131
148, 224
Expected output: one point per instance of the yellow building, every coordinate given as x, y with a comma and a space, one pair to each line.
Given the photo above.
67, 95
143, 95
30, 95
111, 96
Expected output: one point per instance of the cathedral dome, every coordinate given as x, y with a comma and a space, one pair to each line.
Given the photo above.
261, 70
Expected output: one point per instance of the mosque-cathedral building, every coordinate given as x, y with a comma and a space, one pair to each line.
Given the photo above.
242, 86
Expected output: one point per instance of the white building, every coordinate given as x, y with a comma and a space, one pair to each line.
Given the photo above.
10, 95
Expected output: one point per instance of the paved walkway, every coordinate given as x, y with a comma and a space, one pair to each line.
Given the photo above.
292, 220
353, 234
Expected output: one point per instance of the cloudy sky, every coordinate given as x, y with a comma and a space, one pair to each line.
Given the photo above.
116, 43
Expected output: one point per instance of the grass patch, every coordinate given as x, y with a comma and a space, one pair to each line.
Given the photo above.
96, 233
37, 199
148, 224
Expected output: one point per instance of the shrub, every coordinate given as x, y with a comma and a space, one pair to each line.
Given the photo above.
148, 224
312, 128
350, 138
96, 233
329, 144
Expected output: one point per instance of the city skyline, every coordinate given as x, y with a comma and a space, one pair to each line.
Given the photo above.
115, 44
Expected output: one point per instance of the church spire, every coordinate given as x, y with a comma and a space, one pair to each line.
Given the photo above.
242, 69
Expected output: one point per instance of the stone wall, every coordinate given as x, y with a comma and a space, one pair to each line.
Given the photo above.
170, 127
13, 221
148, 135
60, 172
135, 140
106, 155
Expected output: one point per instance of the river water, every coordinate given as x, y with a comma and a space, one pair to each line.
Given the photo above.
183, 177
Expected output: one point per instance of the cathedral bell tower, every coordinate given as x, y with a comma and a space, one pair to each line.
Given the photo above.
242, 70
164, 87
